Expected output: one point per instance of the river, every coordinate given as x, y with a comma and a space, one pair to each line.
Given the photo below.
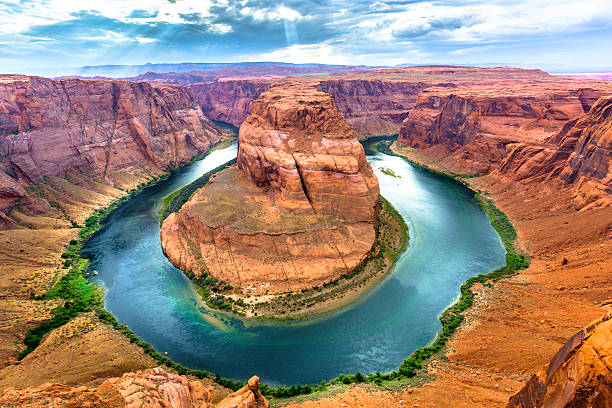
451, 239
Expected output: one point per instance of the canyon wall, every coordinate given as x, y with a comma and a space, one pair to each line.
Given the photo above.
299, 210
374, 107
580, 155
371, 107
477, 123
100, 128
229, 101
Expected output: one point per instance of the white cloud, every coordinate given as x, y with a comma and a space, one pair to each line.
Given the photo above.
271, 14
301, 53
379, 6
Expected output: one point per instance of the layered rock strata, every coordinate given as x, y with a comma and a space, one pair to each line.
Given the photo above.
156, 388
580, 155
476, 124
579, 375
297, 211
54, 127
371, 107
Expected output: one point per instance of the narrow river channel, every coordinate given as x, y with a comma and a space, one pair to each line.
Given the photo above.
451, 239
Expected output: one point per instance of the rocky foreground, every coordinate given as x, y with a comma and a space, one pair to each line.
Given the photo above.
156, 388
299, 209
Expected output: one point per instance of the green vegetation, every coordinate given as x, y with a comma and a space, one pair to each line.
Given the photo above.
175, 201
389, 172
77, 293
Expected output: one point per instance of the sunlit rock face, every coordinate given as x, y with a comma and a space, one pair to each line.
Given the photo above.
298, 210
51, 126
577, 376
580, 155
154, 389
296, 142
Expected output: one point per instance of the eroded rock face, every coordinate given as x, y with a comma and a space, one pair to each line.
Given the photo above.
59, 126
476, 124
577, 376
371, 107
155, 389
297, 211
580, 155
229, 101
296, 142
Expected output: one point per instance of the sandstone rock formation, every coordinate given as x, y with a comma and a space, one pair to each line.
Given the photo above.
299, 211
157, 388
580, 155
246, 397
52, 127
579, 375
296, 142
476, 123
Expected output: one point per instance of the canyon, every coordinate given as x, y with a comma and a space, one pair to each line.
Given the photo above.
298, 210
103, 130
540, 145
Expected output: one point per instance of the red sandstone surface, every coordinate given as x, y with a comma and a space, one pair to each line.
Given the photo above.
99, 128
577, 376
580, 155
153, 389
477, 123
300, 211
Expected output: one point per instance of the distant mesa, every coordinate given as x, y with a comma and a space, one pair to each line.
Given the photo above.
299, 208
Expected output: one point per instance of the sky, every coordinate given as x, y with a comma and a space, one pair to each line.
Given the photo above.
51, 36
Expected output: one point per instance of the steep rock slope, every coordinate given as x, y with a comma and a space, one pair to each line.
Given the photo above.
296, 142
477, 123
374, 107
100, 128
579, 375
371, 107
229, 101
580, 155
299, 211
156, 388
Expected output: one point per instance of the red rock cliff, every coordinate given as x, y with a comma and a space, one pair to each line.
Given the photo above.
296, 141
57, 126
580, 155
371, 107
50, 126
299, 212
475, 124
229, 101
578, 375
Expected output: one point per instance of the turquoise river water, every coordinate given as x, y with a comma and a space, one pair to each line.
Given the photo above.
451, 239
